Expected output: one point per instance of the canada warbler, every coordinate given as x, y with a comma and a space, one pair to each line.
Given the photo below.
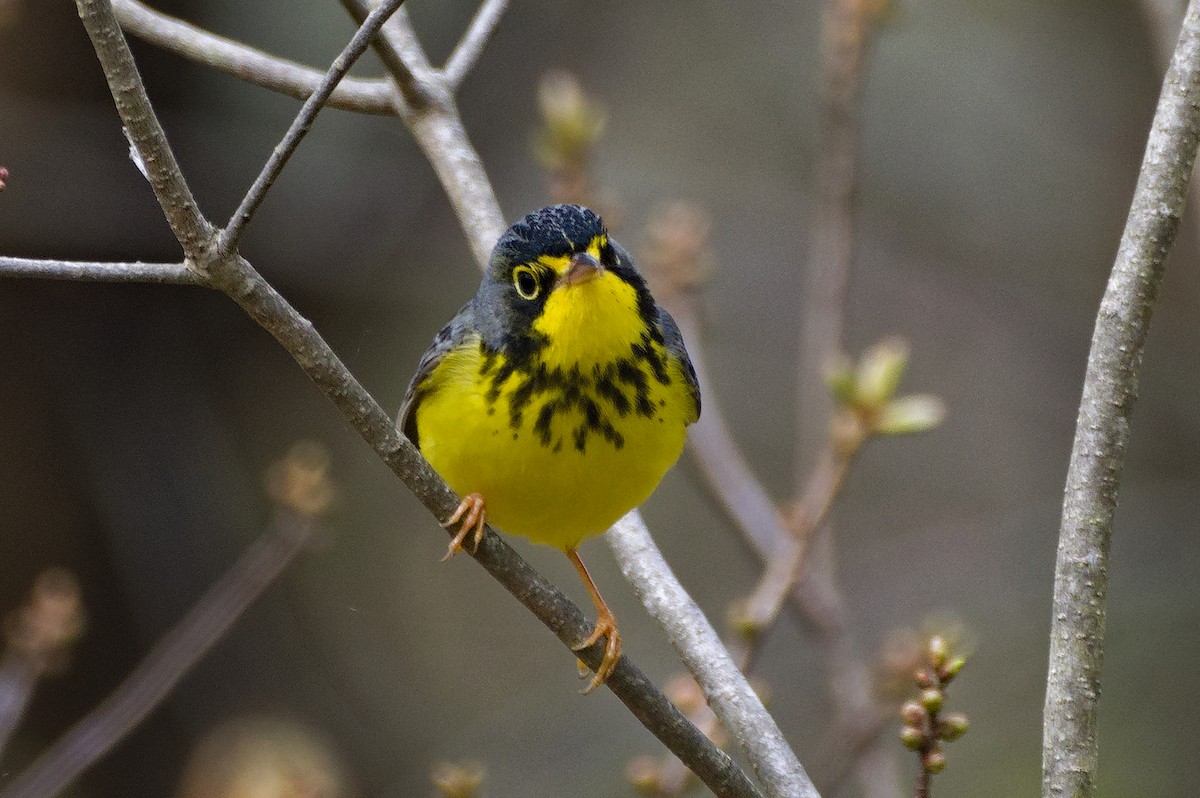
558, 397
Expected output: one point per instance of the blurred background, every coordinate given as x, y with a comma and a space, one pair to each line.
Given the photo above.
999, 146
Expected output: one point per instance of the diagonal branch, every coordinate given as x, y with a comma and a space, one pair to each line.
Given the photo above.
171, 658
724, 685
228, 241
83, 271
1069, 743
187, 223
470, 47
373, 96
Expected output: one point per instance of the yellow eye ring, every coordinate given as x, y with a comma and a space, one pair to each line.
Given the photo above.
526, 282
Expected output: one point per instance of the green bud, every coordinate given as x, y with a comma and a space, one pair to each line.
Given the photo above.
951, 669
910, 414
912, 737
880, 370
933, 699
934, 761
951, 727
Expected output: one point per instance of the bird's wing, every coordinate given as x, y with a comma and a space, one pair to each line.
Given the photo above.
674, 342
449, 337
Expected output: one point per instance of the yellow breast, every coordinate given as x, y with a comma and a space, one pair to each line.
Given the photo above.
562, 446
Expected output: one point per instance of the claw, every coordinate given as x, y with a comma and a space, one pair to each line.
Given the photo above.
606, 625
473, 515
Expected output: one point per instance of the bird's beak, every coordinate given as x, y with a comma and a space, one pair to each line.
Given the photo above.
583, 268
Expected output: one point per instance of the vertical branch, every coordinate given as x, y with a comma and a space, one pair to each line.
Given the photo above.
1069, 743
183, 214
470, 47
844, 36
831, 252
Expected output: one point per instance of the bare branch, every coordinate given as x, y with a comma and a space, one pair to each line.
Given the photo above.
190, 227
83, 271
846, 28
725, 688
470, 47
438, 129
1069, 742
228, 241
172, 657
401, 36
374, 96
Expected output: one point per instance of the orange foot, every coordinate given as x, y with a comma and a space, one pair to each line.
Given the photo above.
473, 515
606, 626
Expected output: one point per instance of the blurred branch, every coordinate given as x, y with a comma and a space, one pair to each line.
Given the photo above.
83, 271
678, 261
725, 687
846, 28
233, 275
470, 47
783, 571
1069, 743
373, 96
228, 240
158, 163
170, 659
39, 637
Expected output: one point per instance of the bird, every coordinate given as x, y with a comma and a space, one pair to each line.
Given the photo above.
557, 398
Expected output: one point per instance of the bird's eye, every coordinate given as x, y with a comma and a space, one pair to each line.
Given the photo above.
526, 282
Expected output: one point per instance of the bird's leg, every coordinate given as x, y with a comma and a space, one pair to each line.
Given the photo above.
606, 626
473, 515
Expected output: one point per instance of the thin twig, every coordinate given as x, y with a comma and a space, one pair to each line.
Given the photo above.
170, 659
368, 96
725, 687
846, 27
183, 214
1069, 742
84, 271
470, 46
780, 577
228, 241
414, 94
